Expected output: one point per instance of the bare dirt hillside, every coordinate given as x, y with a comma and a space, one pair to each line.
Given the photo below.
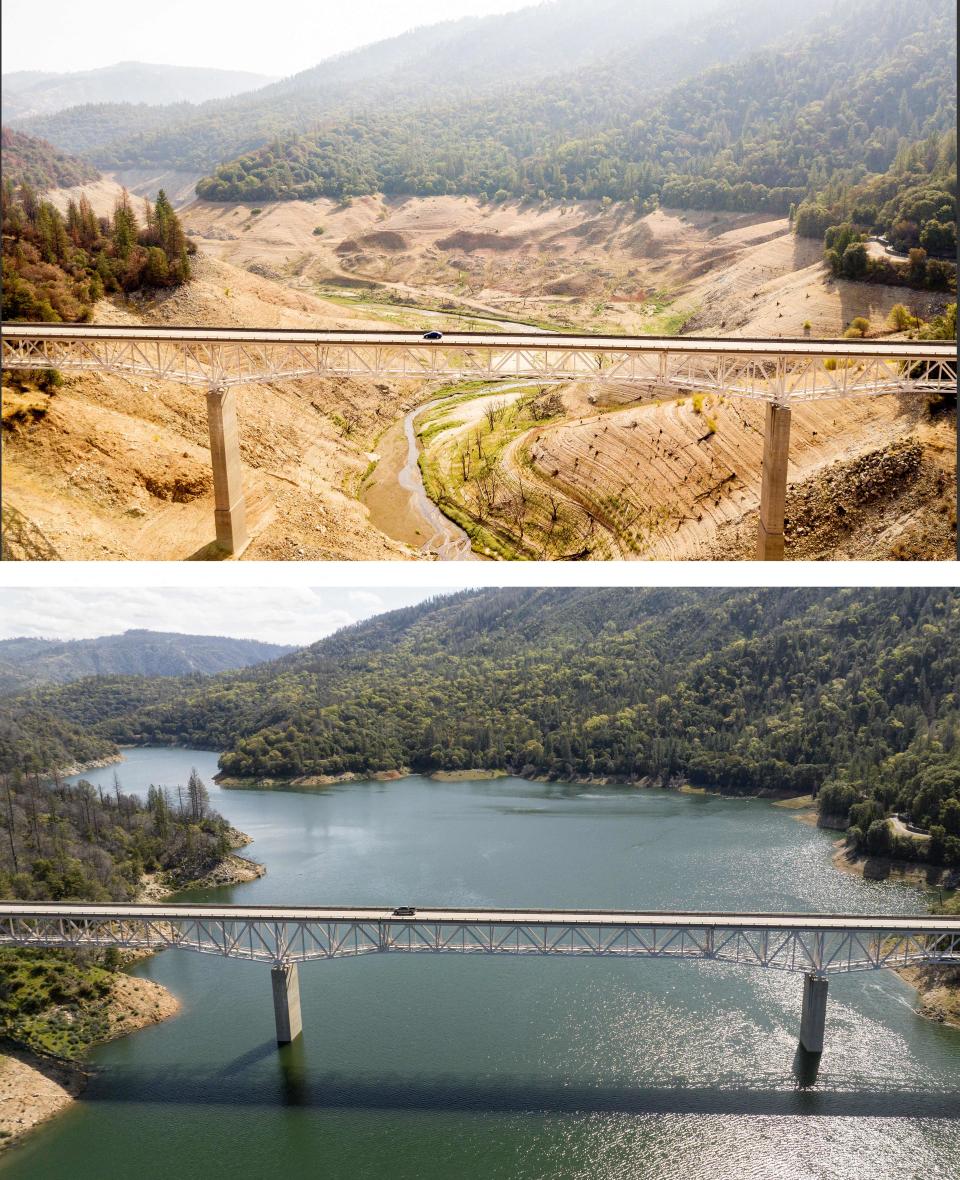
577, 265
592, 472
109, 468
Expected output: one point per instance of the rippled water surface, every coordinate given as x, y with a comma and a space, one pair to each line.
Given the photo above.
447, 1067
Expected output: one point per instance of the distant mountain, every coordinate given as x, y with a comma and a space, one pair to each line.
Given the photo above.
40, 164
697, 104
30, 92
26, 663
462, 59
729, 114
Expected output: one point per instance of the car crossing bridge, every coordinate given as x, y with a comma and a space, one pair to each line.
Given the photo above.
814, 945
777, 372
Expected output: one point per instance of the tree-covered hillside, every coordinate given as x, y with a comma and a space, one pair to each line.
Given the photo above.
760, 133
745, 691
39, 164
468, 57
78, 842
913, 206
55, 268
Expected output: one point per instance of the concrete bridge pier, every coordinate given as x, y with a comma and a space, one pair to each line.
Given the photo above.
286, 1002
814, 1014
773, 490
229, 508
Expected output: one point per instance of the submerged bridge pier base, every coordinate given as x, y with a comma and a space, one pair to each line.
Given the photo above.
286, 1002
773, 489
229, 509
814, 1015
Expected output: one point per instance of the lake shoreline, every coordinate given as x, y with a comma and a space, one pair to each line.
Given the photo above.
35, 1088
937, 988
528, 774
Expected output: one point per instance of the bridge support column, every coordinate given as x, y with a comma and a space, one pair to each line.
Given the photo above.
813, 1017
286, 1002
229, 508
773, 490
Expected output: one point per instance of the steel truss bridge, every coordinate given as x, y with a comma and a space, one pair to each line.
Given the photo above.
778, 372
814, 945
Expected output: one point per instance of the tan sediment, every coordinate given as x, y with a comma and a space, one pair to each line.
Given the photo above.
466, 776
33, 1089
881, 868
938, 992
113, 468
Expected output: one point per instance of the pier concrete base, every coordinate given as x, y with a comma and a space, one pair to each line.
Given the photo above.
813, 1017
773, 489
229, 509
286, 1002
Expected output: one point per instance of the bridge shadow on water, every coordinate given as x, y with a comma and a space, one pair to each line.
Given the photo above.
298, 1081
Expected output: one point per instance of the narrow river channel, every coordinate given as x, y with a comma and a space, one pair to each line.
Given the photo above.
437, 1067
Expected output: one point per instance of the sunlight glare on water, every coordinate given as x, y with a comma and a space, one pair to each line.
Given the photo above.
428, 1068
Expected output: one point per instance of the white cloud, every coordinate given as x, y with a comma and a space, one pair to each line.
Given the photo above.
294, 614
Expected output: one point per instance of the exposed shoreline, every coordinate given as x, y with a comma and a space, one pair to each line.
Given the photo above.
34, 1088
937, 988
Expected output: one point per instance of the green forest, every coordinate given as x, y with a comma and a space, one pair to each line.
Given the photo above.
763, 133
78, 842
32, 161
761, 691
56, 267
912, 206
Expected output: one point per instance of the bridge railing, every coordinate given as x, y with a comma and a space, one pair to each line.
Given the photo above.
296, 940
778, 373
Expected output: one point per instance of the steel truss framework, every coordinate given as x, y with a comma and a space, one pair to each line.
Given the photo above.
780, 371
795, 943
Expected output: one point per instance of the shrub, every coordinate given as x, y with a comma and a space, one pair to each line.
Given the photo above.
900, 317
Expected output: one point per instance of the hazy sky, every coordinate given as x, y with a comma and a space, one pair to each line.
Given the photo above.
277, 38
296, 615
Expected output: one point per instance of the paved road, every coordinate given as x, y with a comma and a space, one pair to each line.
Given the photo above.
807, 922
554, 343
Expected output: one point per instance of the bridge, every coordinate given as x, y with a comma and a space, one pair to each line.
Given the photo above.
814, 945
777, 372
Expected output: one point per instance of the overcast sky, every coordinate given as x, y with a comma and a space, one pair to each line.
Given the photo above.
278, 38
295, 615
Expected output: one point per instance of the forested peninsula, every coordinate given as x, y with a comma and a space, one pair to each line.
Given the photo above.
848, 695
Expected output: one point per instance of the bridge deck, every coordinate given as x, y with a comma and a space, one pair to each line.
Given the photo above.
875, 924
553, 342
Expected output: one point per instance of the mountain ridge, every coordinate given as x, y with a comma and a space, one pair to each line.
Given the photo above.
27, 662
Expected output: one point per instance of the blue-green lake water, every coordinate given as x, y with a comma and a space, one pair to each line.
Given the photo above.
440, 1068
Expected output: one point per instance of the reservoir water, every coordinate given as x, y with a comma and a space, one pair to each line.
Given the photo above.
439, 1068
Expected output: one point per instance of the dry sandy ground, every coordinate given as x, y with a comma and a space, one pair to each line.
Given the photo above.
679, 478
580, 264
33, 1089
110, 468
116, 468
